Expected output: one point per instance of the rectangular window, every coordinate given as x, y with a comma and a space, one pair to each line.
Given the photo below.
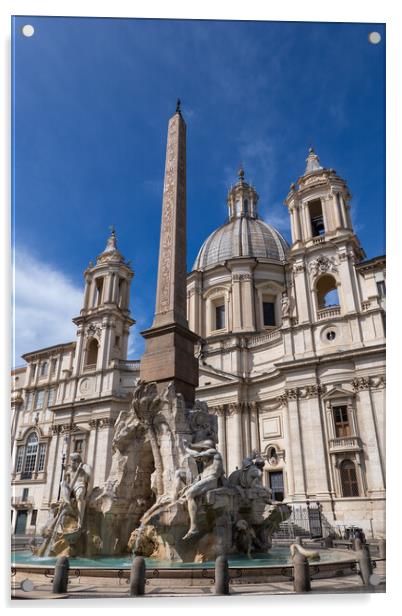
341, 420
269, 313
34, 515
44, 369
25, 493
28, 400
33, 371
41, 456
39, 399
276, 485
381, 288
53, 366
20, 459
78, 445
220, 317
51, 395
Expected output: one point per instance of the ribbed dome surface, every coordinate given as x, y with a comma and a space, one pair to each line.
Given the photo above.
241, 237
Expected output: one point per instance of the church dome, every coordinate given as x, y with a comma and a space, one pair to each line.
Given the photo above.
244, 235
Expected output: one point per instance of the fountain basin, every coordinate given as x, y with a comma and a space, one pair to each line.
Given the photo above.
275, 566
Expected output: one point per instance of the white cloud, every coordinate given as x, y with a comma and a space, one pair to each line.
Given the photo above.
45, 301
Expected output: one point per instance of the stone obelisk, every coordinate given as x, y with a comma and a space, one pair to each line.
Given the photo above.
169, 351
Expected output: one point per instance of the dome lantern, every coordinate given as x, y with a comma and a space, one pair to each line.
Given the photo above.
242, 199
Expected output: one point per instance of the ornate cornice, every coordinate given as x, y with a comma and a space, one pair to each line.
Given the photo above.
101, 422
310, 391
64, 428
361, 383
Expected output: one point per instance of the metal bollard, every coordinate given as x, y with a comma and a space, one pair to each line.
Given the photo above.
382, 548
365, 566
60, 580
301, 573
137, 577
357, 545
222, 576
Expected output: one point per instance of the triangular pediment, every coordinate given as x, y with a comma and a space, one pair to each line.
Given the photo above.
338, 392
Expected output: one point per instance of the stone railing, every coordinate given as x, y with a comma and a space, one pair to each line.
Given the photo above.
19, 501
327, 313
273, 335
319, 240
132, 365
344, 443
89, 368
366, 305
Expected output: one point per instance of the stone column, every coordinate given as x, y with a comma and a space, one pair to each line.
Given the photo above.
86, 293
301, 293
337, 212
237, 307
235, 438
248, 302
345, 213
246, 428
79, 350
254, 432
318, 456
220, 410
295, 224
307, 221
346, 285
369, 435
115, 288
295, 437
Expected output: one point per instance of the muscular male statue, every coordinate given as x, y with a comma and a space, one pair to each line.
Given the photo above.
75, 485
209, 479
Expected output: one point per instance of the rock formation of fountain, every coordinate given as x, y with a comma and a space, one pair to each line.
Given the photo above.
167, 496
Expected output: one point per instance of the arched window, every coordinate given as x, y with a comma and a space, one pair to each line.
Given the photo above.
350, 487
92, 352
327, 293
30, 457
99, 290
316, 217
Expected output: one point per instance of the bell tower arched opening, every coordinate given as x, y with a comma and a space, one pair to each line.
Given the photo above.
327, 292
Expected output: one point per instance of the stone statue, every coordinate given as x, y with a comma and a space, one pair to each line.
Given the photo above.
250, 474
310, 554
75, 486
245, 538
285, 305
210, 478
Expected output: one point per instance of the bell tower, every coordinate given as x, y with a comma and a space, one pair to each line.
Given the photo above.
324, 246
104, 321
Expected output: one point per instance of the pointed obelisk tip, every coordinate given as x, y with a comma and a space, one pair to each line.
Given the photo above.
178, 105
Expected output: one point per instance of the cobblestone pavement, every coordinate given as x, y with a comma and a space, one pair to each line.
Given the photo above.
87, 587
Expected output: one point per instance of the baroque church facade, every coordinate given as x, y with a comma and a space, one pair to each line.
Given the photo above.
291, 360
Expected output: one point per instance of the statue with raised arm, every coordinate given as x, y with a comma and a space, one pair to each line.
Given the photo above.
210, 478
75, 487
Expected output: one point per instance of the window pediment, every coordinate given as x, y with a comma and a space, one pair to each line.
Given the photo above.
338, 393
216, 292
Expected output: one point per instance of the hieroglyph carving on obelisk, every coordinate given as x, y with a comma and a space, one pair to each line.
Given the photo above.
171, 288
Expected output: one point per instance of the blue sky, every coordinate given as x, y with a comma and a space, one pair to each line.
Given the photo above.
92, 98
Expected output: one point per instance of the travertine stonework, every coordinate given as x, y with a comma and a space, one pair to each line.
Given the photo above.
276, 388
